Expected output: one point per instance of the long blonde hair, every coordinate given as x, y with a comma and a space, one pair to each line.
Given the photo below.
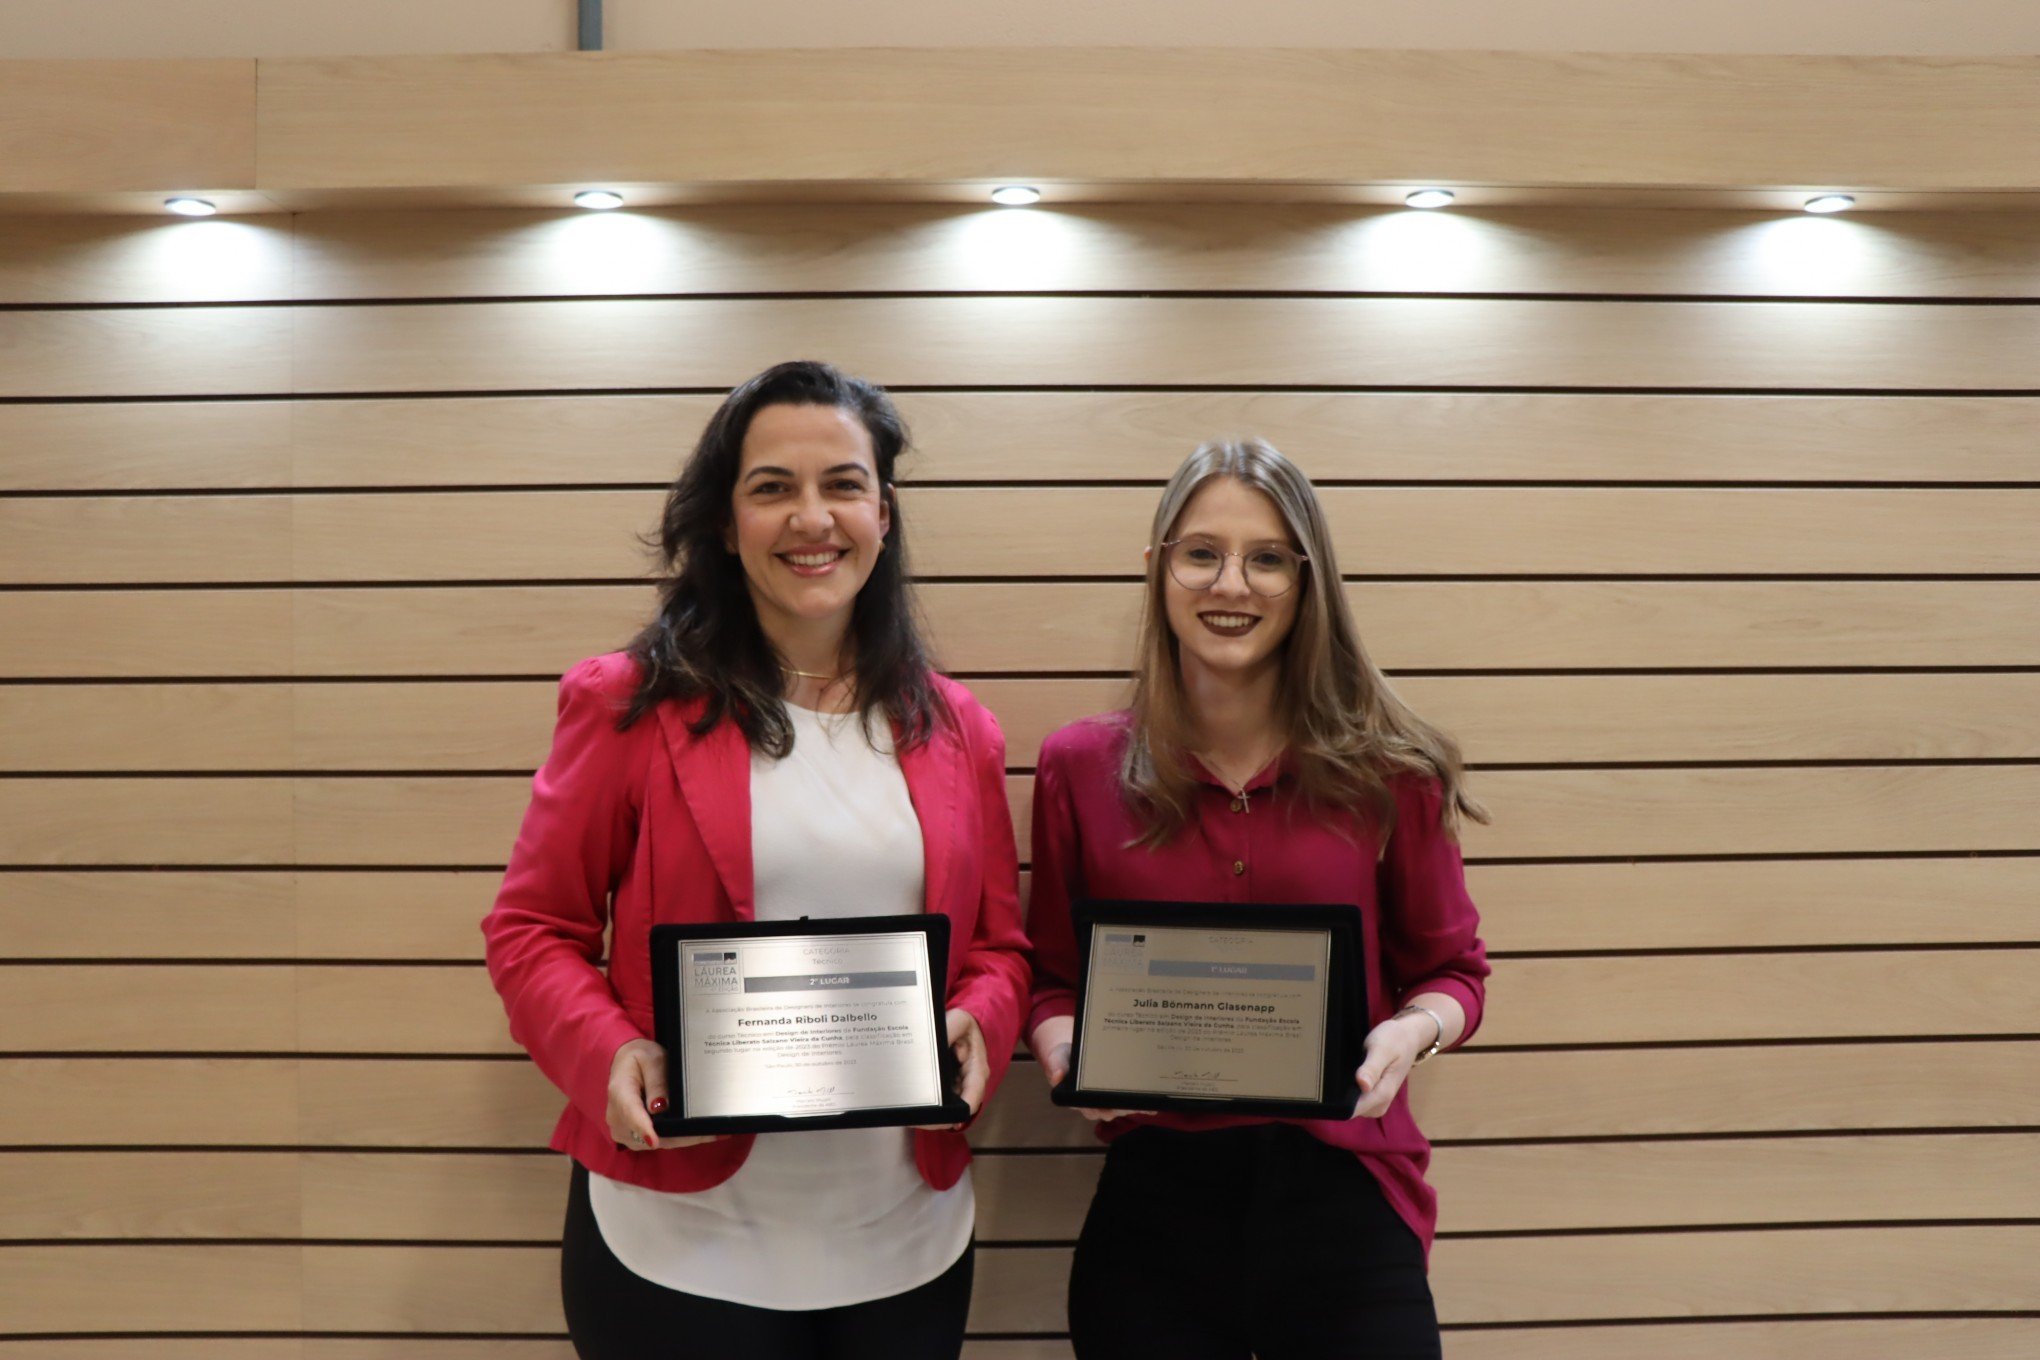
1343, 722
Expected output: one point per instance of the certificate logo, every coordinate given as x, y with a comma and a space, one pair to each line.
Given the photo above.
1122, 951
714, 972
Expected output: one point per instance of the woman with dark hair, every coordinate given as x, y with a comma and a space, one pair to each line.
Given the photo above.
774, 744
1264, 759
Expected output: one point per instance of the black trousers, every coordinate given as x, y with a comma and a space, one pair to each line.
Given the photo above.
613, 1314
1257, 1241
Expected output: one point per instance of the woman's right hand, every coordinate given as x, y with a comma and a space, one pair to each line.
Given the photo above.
637, 1091
1051, 1043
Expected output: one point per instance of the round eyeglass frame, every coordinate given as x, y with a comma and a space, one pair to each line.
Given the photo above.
1169, 561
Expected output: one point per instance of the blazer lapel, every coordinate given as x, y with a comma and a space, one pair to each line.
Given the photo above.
714, 772
931, 771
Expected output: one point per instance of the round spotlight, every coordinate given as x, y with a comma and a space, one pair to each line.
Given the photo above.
1428, 198
1829, 203
601, 200
1016, 195
190, 207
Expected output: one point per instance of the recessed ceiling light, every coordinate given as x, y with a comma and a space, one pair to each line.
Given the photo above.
601, 200
1428, 198
190, 207
1016, 195
1829, 203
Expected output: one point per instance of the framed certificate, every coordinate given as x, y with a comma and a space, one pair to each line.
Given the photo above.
785, 1025
1227, 1008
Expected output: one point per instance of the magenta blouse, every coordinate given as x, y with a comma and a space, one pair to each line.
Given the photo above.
1420, 927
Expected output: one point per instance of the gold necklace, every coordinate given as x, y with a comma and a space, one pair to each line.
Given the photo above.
811, 675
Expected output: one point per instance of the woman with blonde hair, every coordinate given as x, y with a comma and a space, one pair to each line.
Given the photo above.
1264, 759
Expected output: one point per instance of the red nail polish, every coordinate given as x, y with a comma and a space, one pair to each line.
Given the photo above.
658, 1104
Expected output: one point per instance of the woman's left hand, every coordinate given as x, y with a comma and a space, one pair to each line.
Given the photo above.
973, 1063
1392, 1049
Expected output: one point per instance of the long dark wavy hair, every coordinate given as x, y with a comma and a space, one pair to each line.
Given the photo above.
705, 641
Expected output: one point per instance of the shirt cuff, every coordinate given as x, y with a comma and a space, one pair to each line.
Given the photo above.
1049, 1007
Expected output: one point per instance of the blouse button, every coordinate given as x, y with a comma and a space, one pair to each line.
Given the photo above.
1239, 866
1239, 805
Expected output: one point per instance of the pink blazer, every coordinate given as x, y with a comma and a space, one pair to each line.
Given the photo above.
653, 825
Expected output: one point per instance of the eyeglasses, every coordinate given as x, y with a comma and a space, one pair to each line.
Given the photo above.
1269, 570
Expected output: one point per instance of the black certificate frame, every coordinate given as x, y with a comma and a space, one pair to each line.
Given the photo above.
668, 1018
1346, 1002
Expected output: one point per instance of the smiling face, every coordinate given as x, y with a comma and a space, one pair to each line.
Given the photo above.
808, 517
1227, 630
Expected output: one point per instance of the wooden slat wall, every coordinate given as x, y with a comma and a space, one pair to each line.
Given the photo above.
1338, 117
1711, 536
303, 132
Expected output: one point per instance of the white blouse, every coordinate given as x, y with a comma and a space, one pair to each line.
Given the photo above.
811, 1220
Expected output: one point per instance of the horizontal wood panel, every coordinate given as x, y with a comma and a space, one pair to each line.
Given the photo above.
256, 1008
271, 1102
1490, 1095
293, 1348
1724, 905
1472, 1094
203, 1101
456, 1197
168, 1009
507, 725
255, 914
56, 259
1804, 1180
1342, 117
541, 630
1021, 341
472, 820
153, 1289
103, 1195
415, 1197
2002, 1338
1095, 531
108, 126
1077, 341
437, 1348
432, 914
224, 1348
135, 445
1701, 997
1731, 1273
427, 1198
793, 248
1262, 247
1753, 811
422, 1347
1975, 1338
1583, 718
454, 820
340, 1008
1034, 436
169, 352
442, 1197
514, 1289
447, 821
